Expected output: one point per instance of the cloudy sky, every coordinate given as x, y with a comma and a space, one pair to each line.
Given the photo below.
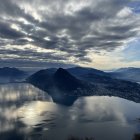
103, 34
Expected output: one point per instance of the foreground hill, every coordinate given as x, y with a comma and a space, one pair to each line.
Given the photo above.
61, 84
60, 81
130, 74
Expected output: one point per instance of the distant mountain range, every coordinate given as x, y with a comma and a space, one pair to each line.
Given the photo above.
80, 71
8, 74
6, 71
66, 85
130, 74
74, 82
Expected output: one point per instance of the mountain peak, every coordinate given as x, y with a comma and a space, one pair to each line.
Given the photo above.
64, 80
60, 69
62, 72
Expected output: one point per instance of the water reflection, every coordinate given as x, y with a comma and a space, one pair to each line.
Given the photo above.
64, 100
20, 92
13, 96
28, 113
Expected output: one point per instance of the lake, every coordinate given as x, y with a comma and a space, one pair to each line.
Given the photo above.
27, 113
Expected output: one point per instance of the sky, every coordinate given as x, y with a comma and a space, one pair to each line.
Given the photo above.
102, 34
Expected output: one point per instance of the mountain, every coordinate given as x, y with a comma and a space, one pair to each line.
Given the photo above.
64, 86
94, 76
130, 74
65, 81
90, 75
50, 71
60, 81
40, 79
61, 85
8, 74
80, 71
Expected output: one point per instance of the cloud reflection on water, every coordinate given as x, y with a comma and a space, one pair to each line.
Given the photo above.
25, 114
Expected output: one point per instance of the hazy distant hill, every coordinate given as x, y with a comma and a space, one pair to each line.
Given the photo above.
6, 71
91, 75
130, 74
62, 82
80, 71
11, 74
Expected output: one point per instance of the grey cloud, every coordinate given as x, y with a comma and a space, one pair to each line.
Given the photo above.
20, 41
7, 7
94, 26
33, 65
30, 53
7, 32
10, 9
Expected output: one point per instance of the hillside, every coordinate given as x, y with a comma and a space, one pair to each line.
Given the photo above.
62, 83
130, 74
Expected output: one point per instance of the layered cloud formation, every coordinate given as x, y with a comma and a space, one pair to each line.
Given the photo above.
41, 33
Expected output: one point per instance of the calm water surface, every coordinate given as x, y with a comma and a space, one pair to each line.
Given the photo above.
27, 113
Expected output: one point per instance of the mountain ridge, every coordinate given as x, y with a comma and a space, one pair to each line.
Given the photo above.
9, 74
129, 74
8, 71
63, 83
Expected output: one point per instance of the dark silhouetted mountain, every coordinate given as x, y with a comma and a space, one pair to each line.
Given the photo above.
64, 99
63, 85
130, 74
61, 80
65, 81
42, 78
51, 71
59, 83
90, 75
94, 76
